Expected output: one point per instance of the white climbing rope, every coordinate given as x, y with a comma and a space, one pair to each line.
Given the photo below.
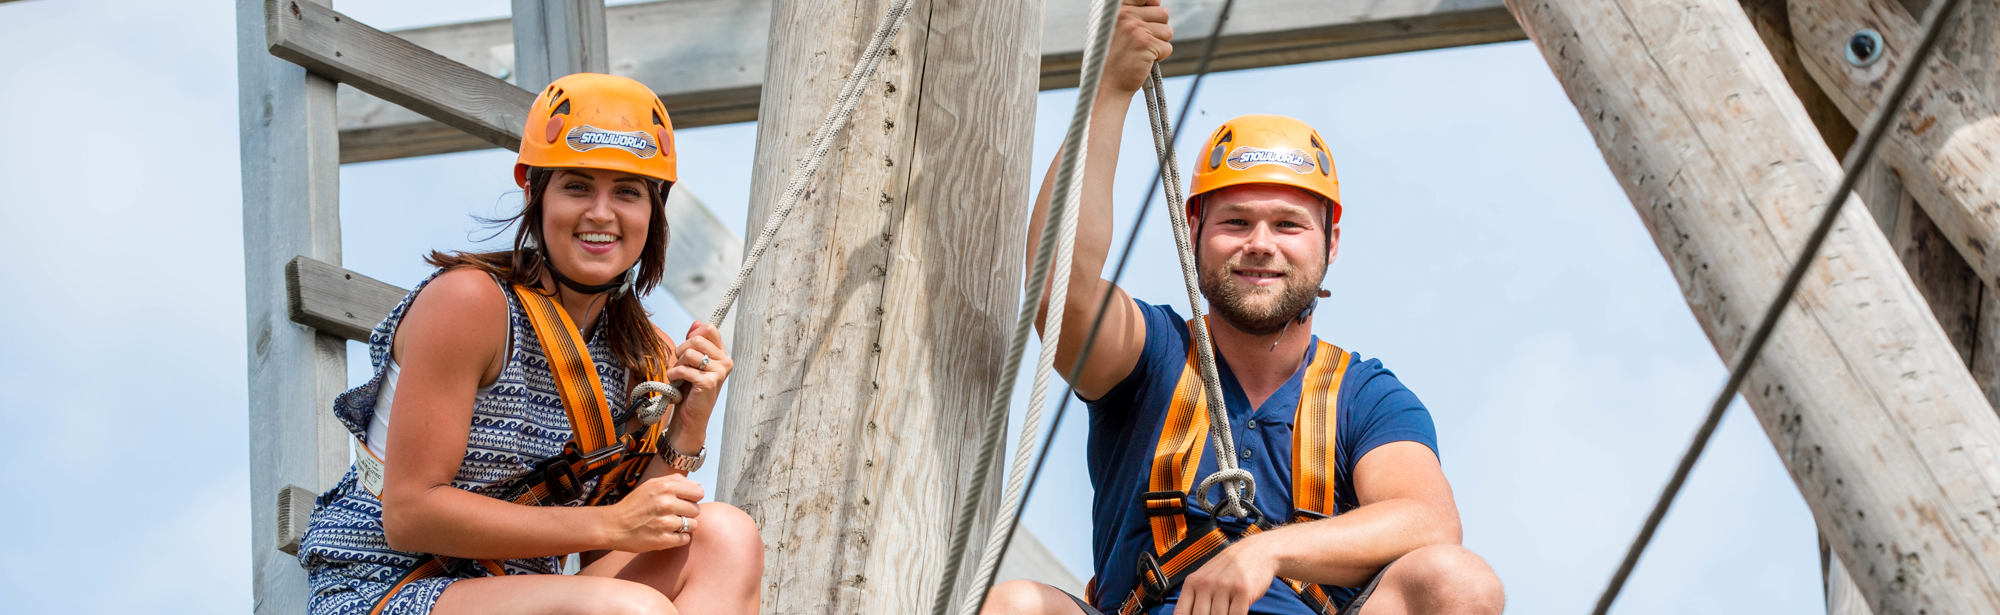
1050, 271
654, 408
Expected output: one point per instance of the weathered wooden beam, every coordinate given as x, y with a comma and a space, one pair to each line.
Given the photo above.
336, 301
291, 199
384, 65
877, 325
1890, 441
553, 38
706, 57
1945, 142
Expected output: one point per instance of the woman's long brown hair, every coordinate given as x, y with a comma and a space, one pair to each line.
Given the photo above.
633, 339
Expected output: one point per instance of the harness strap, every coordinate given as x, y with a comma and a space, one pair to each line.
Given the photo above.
575, 375
593, 451
1177, 458
1181, 544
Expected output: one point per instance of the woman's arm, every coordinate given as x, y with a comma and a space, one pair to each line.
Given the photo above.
451, 342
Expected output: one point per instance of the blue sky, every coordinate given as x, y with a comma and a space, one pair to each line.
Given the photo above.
1488, 257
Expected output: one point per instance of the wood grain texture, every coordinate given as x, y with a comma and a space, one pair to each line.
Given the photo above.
706, 57
553, 38
291, 195
384, 65
1885, 433
336, 301
876, 326
1945, 141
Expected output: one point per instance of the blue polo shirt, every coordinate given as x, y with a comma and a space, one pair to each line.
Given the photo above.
1373, 406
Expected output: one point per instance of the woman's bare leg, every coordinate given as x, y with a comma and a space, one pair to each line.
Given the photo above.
728, 579
551, 594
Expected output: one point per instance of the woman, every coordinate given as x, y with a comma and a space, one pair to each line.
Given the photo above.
467, 501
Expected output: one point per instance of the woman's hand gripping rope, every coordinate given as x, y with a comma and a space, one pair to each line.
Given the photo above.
702, 365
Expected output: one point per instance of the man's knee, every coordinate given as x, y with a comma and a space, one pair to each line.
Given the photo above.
1022, 597
1448, 579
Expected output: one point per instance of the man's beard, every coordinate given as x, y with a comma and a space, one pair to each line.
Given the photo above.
1234, 303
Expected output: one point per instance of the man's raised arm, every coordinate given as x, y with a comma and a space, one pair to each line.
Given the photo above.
1140, 38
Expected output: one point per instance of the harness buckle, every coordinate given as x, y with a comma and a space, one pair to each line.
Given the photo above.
1153, 582
1164, 503
559, 478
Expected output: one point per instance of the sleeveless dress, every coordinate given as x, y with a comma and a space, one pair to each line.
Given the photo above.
516, 423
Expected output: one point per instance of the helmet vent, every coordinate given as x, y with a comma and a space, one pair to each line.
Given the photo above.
656, 118
1221, 144
562, 108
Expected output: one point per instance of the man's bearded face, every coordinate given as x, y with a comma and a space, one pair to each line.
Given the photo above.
1261, 261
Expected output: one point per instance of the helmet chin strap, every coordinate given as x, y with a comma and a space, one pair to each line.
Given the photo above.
622, 284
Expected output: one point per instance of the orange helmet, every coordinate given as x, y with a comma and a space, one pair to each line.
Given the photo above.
595, 121
1266, 149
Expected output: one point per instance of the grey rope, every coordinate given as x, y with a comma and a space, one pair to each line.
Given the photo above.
1233, 480
1052, 258
1857, 157
795, 188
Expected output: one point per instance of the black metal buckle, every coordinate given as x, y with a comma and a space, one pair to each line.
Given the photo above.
1150, 592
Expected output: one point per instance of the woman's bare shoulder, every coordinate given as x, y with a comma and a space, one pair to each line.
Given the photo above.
462, 310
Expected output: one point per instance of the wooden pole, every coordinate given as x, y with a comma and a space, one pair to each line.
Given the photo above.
553, 38
1945, 143
1887, 436
1969, 312
291, 207
875, 328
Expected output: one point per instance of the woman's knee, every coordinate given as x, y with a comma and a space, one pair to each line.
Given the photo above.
629, 598
1451, 579
727, 532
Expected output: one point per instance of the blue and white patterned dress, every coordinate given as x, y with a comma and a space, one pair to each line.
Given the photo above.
516, 423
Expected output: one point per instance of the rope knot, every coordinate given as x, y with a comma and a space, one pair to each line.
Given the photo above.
1238, 487
650, 400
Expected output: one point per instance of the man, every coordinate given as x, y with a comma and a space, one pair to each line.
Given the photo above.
1265, 215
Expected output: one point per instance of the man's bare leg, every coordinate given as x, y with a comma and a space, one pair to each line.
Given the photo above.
1021, 597
1437, 580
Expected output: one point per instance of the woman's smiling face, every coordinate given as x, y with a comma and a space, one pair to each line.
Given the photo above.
594, 222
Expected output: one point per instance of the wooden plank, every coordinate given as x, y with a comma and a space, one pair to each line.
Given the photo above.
291, 196
706, 57
384, 65
553, 38
879, 321
1944, 144
336, 301
1971, 44
1887, 436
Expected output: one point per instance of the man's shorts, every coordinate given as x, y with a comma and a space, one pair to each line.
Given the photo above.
1353, 607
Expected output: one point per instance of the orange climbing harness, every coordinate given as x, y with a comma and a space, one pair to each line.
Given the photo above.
594, 451
1181, 544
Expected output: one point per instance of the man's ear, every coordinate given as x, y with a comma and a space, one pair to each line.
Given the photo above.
1333, 243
